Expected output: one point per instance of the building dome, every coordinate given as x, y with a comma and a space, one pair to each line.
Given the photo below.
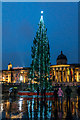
61, 59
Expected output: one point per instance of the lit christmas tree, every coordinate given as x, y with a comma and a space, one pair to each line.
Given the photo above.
40, 67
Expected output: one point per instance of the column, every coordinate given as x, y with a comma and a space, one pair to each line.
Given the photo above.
73, 74
62, 75
9, 77
58, 75
24, 78
66, 75
55, 74
77, 76
70, 75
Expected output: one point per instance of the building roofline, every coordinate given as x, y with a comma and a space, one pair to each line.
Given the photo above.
67, 65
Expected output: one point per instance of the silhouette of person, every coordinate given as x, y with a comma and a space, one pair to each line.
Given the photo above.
68, 94
78, 91
55, 93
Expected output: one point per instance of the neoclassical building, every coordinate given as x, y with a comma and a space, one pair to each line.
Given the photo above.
59, 73
63, 72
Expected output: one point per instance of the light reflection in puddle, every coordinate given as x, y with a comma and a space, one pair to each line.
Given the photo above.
20, 103
41, 109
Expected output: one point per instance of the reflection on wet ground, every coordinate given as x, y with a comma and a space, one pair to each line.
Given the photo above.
40, 108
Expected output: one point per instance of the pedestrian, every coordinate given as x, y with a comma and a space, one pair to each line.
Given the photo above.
60, 94
78, 91
68, 94
55, 93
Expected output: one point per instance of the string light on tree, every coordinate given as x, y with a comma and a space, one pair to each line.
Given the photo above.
40, 67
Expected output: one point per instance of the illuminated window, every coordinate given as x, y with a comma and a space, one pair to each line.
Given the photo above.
21, 78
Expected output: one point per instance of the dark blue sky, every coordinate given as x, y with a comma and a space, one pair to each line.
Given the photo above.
20, 23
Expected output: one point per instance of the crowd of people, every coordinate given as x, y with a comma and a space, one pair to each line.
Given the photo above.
58, 93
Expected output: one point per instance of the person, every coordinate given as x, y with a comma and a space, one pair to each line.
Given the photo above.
55, 93
60, 94
15, 91
78, 91
11, 91
68, 93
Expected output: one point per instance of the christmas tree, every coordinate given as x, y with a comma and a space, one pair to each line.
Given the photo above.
40, 67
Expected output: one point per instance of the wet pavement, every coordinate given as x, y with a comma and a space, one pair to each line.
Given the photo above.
34, 108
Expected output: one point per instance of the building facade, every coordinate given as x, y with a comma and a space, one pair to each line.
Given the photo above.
63, 72
15, 74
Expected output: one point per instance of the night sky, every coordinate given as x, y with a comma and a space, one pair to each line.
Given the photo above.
20, 23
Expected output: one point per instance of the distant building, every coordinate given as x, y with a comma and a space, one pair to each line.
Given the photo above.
60, 73
63, 72
15, 74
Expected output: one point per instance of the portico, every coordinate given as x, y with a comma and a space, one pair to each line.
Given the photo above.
63, 72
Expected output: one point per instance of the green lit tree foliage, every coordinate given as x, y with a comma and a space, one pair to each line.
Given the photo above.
40, 67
